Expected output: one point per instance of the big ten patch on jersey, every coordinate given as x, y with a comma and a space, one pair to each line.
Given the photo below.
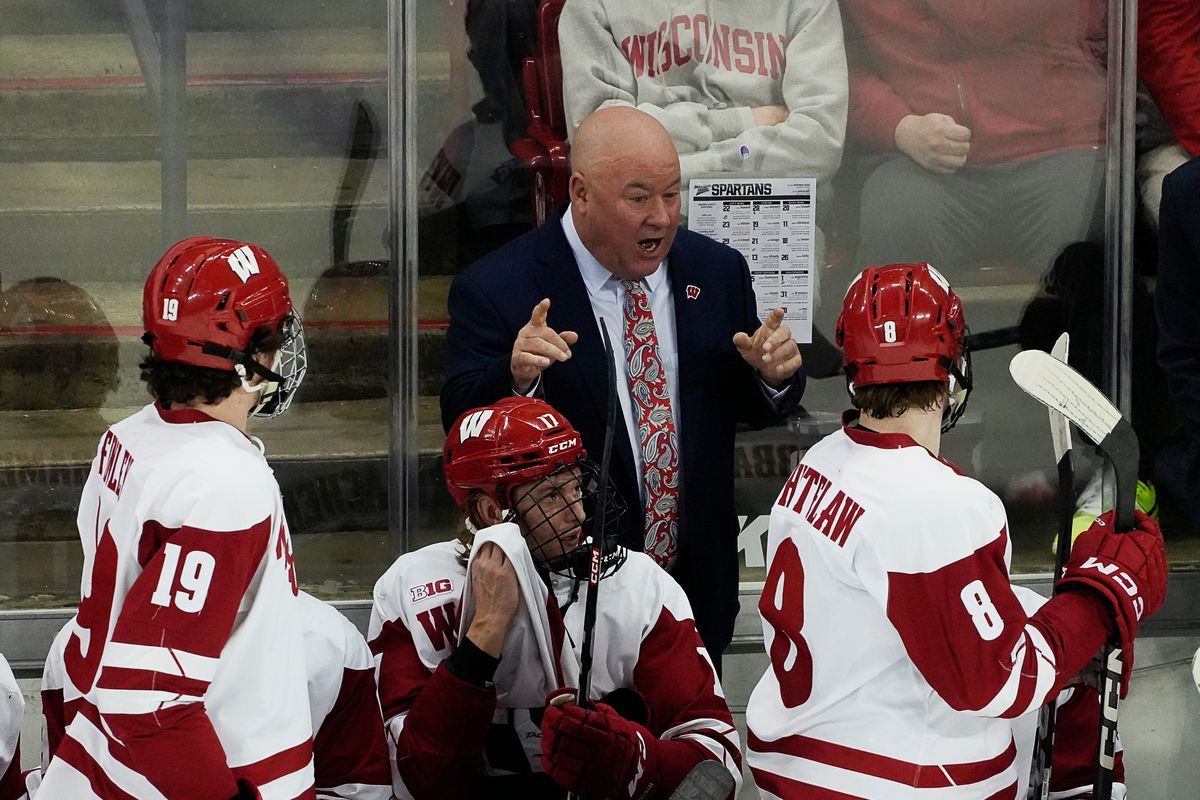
514, 742
829, 509
435, 605
113, 462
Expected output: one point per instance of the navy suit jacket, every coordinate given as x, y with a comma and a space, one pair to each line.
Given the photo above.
492, 300
1176, 298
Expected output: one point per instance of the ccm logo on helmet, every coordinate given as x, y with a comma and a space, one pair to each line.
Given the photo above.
561, 446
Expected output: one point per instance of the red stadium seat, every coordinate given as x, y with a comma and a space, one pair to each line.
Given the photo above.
543, 149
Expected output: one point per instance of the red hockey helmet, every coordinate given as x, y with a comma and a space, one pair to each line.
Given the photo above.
498, 447
902, 323
204, 301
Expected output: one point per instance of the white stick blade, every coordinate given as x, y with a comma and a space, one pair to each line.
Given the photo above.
1060, 426
1059, 387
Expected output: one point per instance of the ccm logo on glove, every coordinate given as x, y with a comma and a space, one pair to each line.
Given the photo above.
1119, 577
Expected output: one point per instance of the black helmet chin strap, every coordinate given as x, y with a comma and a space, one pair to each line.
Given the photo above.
243, 359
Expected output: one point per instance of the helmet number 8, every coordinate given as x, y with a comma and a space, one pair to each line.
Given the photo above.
170, 309
983, 611
889, 331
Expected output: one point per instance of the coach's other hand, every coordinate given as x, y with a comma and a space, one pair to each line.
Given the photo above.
537, 347
770, 350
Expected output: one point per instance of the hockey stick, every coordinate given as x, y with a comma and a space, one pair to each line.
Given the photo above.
599, 527
708, 780
1057, 386
598, 532
1060, 434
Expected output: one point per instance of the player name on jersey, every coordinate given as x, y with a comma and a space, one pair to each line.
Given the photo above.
113, 463
809, 488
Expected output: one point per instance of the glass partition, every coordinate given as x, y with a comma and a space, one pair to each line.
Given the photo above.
129, 125
974, 138
984, 153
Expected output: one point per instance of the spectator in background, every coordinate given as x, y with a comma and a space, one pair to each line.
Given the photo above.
986, 119
502, 33
1169, 65
742, 87
1176, 298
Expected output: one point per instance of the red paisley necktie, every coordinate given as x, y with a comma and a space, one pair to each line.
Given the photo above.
656, 426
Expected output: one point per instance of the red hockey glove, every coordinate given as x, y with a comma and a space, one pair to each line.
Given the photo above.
1127, 569
595, 753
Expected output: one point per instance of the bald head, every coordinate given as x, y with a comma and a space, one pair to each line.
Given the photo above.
616, 134
625, 190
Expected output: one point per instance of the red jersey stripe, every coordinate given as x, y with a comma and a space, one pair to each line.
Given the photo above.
1005, 794
921, 776
73, 753
787, 787
272, 767
149, 680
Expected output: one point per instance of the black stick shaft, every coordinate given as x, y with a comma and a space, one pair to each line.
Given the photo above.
599, 527
1043, 762
1121, 449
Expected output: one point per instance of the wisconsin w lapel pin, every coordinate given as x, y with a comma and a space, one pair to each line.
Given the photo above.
693, 291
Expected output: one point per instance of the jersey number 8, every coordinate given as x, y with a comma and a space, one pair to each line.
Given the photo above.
983, 611
782, 607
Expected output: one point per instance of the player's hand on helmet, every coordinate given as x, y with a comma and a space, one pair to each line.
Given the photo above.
770, 350
497, 596
537, 347
594, 752
1129, 570
935, 141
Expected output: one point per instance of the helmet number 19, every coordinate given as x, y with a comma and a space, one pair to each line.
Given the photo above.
170, 309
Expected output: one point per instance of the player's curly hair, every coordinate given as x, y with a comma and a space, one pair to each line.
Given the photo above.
885, 400
466, 536
171, 382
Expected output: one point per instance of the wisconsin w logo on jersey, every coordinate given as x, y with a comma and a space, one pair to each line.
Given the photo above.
243, 262
473, 424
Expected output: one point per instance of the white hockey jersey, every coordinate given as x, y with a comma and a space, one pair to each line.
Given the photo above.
349, 753
899, 653
187, 648
645, 640
12, 712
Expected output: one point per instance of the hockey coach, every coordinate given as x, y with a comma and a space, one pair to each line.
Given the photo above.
693, 360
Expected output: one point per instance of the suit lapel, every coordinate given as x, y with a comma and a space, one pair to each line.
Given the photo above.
688, 318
